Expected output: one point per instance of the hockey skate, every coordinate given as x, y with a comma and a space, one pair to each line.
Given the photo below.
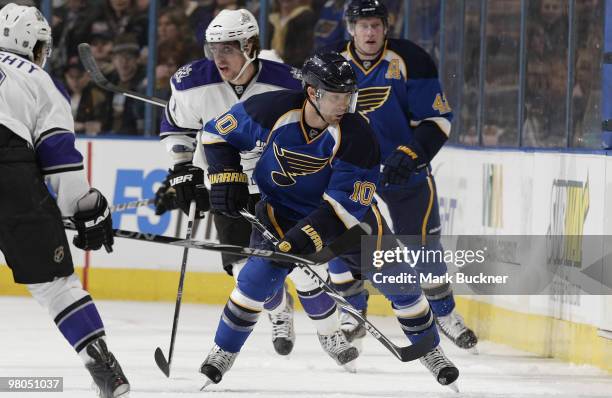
441, 367
283, 334
341, 351
353, 331
109, 380
216, 364
453, 327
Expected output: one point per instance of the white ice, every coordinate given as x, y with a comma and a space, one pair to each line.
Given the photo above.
30, 345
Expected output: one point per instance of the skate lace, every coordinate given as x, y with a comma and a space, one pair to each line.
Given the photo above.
452, 325
220, 359
334, 343
435, 360
281, 324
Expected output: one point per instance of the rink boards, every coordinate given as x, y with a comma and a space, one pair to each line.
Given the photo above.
504, 192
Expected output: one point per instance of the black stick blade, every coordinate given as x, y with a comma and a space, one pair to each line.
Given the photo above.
416, 351
90, 65
161, 362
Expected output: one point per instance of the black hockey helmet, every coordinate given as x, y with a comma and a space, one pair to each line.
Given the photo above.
329, 71
366, 8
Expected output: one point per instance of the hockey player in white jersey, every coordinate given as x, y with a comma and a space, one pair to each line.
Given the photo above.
201, 91
37, 144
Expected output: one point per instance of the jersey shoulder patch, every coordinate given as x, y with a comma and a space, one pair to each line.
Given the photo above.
268, 107
278, 74
358, 144
198, 73
419, 63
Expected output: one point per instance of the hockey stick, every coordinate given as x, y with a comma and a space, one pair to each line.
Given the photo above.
90, 65
345, 242
160, 359
404, 354
131, 205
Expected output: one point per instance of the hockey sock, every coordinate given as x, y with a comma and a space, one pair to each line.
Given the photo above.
72, 310
440, 298
278, 302
239, 317
321, 309
415, 318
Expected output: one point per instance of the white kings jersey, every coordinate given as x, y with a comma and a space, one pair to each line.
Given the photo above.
32, 106
199, 94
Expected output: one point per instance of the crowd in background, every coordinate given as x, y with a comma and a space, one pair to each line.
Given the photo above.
117, 33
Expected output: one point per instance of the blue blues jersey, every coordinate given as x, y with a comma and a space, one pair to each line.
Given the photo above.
402, 98
300, 173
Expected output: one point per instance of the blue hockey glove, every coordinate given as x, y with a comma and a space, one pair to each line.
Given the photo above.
301, 239
401, 164
229, 191
188, 182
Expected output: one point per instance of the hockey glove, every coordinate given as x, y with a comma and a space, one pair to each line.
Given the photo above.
165, 197
188, 182
402, 163
229, 191
93, 222
301, 239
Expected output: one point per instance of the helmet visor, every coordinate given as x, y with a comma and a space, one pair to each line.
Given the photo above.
222, 49
332, 103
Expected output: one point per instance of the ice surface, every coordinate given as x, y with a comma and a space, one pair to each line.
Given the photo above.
30, 345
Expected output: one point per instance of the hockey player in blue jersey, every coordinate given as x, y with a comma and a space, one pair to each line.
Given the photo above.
207, 88
401, 96
317, 175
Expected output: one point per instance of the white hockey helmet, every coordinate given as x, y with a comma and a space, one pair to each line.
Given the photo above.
232, 25
21, 28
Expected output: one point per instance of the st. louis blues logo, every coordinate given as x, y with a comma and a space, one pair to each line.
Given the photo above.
293, 164
372, 98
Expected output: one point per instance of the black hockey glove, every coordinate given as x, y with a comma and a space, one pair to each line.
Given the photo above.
301, 239
229, 191
93, 222
165, 197
402, 163
188, 182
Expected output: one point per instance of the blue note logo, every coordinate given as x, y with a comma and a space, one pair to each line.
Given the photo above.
294, 164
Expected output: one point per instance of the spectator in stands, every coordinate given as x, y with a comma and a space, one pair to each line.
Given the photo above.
586, 100
90, 105
537, 90
101, 43
71, 24
121, 16
199, 14
128, 74
293, 30
553, 19
173, 29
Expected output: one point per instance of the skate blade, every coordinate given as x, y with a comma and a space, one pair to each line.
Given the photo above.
351, 366
206, 384
122, 392
453, 386
473, 350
